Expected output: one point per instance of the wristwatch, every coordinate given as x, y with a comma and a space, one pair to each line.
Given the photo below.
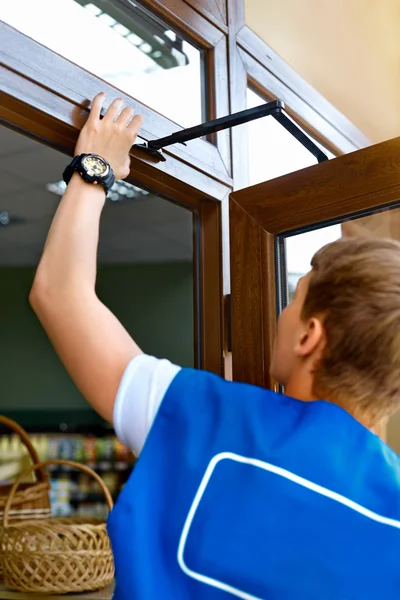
93, 169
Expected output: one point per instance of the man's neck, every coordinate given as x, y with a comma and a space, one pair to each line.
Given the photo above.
301, 387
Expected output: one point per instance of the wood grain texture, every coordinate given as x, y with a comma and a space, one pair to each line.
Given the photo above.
191, 18
214, 10
253, 298
343, 187
59, 127
210, 288
35, 63
269, 307
366, 180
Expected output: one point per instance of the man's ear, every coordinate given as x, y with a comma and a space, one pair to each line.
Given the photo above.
310, 338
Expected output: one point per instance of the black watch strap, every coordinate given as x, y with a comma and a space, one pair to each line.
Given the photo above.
71, 168
76, 165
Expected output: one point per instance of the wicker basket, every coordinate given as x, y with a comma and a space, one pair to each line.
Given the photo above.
32, 499
57, 555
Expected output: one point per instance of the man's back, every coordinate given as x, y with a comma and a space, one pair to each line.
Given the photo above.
273, 498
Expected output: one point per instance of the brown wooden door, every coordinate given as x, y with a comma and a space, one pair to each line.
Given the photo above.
263, 216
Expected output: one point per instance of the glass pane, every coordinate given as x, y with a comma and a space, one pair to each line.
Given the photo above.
124, 45
145, 277
300, 248
273, 151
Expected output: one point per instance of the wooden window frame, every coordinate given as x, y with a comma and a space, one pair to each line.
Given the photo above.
259, 215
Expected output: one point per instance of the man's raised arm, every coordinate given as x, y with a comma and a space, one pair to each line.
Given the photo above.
91, 342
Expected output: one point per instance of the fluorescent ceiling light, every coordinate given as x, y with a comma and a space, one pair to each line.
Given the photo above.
92, 8
146, 48
171, 35
9, 219
4, 218
57, 188
159, 40
151, 45
134, 39
104, 18
121, 29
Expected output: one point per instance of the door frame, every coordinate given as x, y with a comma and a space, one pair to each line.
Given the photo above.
350, 186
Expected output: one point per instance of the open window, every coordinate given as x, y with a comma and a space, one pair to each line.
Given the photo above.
275, 228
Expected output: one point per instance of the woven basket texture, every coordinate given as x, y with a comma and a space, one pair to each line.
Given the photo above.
31, 500
57, 555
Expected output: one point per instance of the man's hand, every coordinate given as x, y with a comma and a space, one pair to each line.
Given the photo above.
111, 137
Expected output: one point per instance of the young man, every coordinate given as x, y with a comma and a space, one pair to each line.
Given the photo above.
238, 492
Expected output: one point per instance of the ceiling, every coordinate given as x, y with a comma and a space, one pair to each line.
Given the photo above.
143, 229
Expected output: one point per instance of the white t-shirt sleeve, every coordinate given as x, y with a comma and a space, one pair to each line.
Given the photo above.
141, 391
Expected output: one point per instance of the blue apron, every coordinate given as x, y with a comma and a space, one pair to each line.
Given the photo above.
243, 493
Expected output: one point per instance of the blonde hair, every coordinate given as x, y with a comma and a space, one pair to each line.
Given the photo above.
354, 287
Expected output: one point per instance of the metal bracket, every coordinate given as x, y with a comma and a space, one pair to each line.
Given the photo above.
275, 109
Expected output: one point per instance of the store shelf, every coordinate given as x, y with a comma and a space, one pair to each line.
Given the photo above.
100, 466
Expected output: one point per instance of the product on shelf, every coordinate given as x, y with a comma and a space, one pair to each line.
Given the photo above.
122, 454
90, 449
110, 478
72, 492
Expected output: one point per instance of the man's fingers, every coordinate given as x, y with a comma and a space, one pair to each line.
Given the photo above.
125, 116
96, 107
113, 110
136, 124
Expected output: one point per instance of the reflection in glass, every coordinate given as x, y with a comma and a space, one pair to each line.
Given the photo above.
300, 248
123, 44
273, 151
145, 275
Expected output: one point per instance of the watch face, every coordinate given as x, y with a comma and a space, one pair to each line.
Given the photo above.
95, 165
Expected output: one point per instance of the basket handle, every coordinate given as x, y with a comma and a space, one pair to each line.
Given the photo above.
41, 475
67, 463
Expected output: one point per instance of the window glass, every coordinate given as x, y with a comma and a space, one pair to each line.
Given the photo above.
273, 151
123, 44
145, 277
300, 248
